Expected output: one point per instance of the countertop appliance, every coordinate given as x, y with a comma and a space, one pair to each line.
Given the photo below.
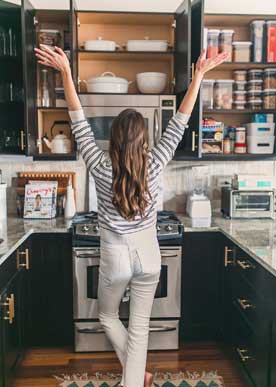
101, 109
164, 323
247, 204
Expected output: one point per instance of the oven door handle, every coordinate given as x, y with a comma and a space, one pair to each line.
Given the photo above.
91, 330
162, 329
88, 254
169, 255
101, 330
155, 127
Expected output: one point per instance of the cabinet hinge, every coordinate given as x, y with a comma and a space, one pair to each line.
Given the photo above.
78, 22
174, 24
173, 82
35, 21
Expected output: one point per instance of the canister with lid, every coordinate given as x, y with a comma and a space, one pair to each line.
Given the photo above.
254, 95
270, 78
255, 85
257, 34
240, 86
240, 75
254, 74
255, 104
239, 105
269, 98
223, 94
225, 42
239, 96
212, 43
241, 51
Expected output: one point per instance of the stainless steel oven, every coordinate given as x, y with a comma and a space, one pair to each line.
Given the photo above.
101, 109
166, 303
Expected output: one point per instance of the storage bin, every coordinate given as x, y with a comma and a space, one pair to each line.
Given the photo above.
225, 42
256, 85
223, 89
269, 78
208, 93
260, 144
257, 36
212, 43
240, 75
239, 96
271, 41
269, 98
241, 51
255, 104
240, 86
260, 129
239, 105
255, 74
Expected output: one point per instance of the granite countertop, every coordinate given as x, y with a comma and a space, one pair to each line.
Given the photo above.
256, 237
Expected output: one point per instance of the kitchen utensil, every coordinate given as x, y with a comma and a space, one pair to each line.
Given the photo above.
147, 45
60, 143
107, 82
100, 45
45, 90
151, 82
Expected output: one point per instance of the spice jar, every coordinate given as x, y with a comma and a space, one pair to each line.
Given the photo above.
269, 98
270, 78
255, 85
240, 86
254, 74
240, 75
241, 51
225, 42
223, 94
226, 145
239, 96
212, 43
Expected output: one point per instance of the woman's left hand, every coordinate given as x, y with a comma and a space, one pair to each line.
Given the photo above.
204, 65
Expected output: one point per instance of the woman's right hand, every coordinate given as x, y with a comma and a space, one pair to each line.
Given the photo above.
56, 59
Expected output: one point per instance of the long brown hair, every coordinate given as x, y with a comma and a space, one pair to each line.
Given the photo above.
129, 154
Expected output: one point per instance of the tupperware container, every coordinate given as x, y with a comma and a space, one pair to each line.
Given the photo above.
269, 98
270, 78
212, 43
260, 128
225, 42
208, 93
239, 105
256, 104
254, 74
255, 85
254, 95
240, 86
270, 41
257, 38
241, 51
240, 75
260, 144
223, 89
239, 96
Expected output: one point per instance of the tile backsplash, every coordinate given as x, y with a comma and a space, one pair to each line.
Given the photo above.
176, 182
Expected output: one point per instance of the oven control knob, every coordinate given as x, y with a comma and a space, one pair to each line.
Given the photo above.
96, 228
158, 228
85, 228
169, 228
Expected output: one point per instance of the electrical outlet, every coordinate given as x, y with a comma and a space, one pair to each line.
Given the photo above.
224, 181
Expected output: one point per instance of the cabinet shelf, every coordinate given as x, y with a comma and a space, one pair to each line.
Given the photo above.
126, 55
238, 111
243, 65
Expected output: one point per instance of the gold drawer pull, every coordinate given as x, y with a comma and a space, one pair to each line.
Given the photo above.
22, 142
27, 259
10, 313
241, 352
245, 265
245, 304
194, 135
226, 260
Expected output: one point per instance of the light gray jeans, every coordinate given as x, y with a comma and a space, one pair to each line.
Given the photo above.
132, 260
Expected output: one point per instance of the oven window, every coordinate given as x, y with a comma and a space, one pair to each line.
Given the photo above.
252, 202
92, 281
162, 287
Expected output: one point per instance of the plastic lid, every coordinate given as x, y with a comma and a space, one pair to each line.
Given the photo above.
209, 80
255, 71
240, 71
241, 43
271, 22
258, 22
227, 32
267, 70
224, 81
258, 101
254, 91
240, 92
269, 90
256, 81
241, 82
51, 31
213, 31
239, 102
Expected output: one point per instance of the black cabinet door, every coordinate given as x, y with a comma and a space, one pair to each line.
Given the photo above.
74, 42
273, 358
29, 72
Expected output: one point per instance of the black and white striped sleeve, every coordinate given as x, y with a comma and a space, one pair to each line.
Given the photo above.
164, 151
85, 139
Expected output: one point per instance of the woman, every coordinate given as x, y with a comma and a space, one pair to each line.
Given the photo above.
127, 188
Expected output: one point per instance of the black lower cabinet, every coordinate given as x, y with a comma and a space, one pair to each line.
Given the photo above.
273, 355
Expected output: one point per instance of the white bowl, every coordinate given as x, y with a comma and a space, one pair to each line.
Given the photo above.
151, 82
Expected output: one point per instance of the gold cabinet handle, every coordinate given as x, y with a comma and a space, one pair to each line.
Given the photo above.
27, 259
22, 143
245, 304
194, 135
10, 313
245, 264
242, 354
226, 260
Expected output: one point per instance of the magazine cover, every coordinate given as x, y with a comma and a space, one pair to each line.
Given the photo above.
40, 200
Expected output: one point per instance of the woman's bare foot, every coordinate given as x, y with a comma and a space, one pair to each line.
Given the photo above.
148, 381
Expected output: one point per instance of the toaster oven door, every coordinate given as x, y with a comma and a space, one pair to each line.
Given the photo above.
253, 204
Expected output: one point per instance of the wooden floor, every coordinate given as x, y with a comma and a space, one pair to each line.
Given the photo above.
40, 364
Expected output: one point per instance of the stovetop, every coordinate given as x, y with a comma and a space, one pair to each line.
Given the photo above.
85, 228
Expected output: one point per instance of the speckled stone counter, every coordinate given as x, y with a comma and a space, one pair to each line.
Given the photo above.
256, 237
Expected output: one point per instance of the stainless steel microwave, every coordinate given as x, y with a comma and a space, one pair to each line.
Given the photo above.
101, 109
247, 204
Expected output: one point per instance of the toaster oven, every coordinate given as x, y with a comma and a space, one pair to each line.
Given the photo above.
247, 204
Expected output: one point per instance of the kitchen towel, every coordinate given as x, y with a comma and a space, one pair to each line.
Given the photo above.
161, 379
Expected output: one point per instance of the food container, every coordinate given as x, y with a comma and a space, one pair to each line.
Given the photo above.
208, 93
239, 96
212, 43
223, 94
241, 51
254, 74
269, 98
147, 45
271, 40
255, 85
151, 82
100, 45
49, 37
257, 38
240, 135
60, 97
270, 78
260, 144
240, 75
239, 105
225, 42
254, 95
107, 82
261, 117
240, 148
240, 86
226, 145
260, 128
255, 104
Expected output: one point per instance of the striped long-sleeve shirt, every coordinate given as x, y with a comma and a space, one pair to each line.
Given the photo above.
99, 165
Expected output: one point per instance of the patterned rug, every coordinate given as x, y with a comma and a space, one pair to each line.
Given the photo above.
180, 379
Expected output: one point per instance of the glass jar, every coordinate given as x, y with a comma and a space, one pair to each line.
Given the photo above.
225, 42
254, 74
223, 94
255, 85
212, 43
241, 135
240, 75
269, 98
240, 96
208, 93
240, 86
241, 51
257, 34
270, 78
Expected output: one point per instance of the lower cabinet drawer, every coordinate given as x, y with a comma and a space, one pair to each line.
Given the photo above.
90, 336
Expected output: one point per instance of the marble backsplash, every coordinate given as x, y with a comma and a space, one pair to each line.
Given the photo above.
176, 178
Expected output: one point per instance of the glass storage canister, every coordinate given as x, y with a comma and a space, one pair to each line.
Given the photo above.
255, 85
257, 38
254, 74
241, 51
223, 89
225, 42
208, 93
239, 105
212, 43
255, 104
240, 75
240, 86
254, 95
269, 98
239, 96
270, 78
